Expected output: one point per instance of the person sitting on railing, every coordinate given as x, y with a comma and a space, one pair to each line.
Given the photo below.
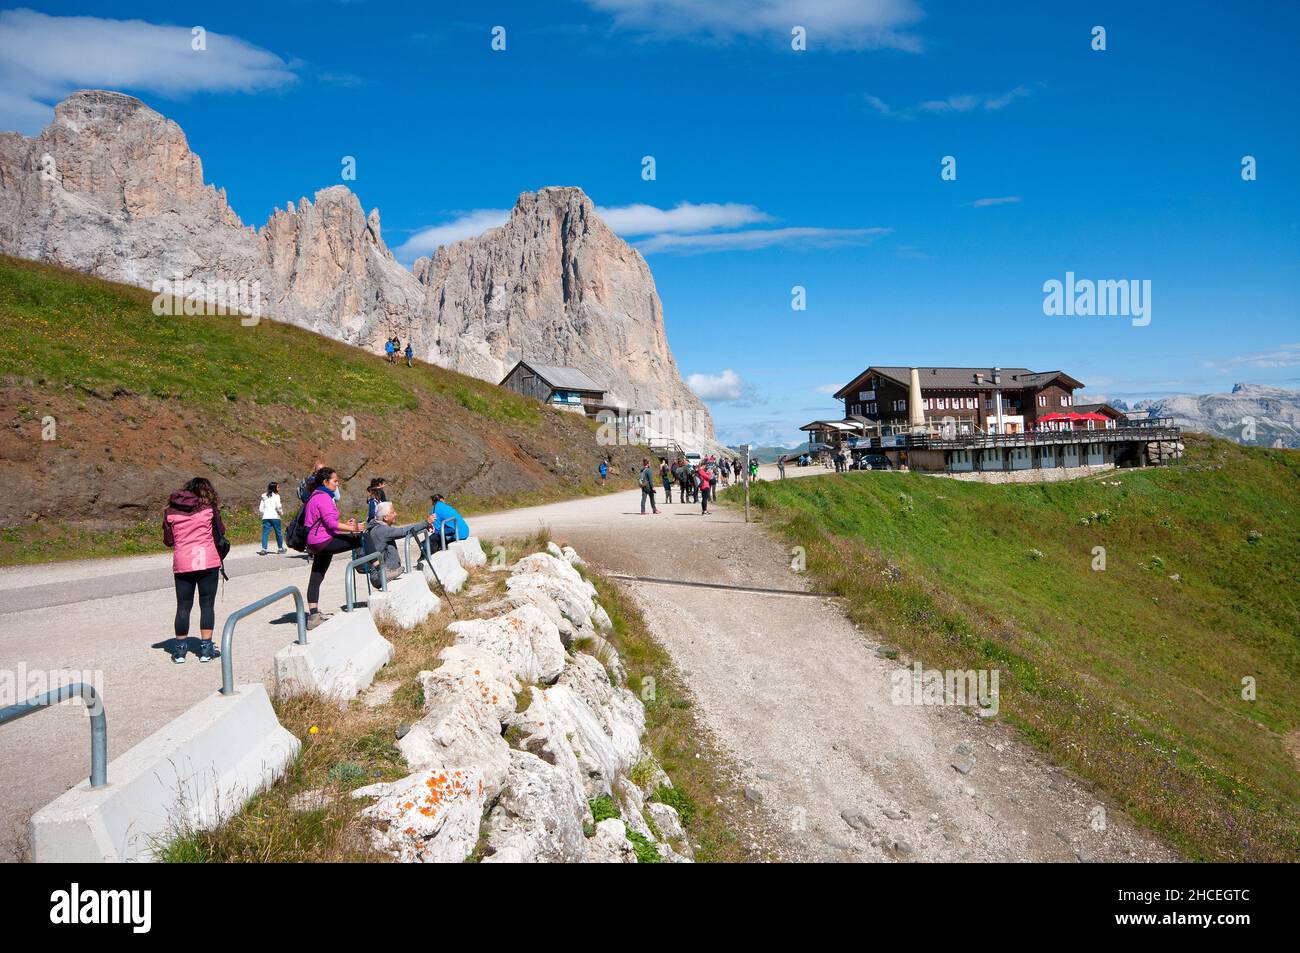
448, 525
383, 535
327, 536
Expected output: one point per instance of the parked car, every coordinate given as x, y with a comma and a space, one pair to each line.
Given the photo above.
872, 461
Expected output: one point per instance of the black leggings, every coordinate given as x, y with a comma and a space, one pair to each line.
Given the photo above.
320, 564
205, 580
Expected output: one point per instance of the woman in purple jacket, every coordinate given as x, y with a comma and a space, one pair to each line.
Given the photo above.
191, 527
326, 536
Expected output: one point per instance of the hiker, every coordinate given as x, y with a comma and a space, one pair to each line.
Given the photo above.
645, 479
448, 525
603, 470
382, 536
327, 536
271, 511
193, 530
780, 466
376, 493
704, 483
666, 477
753, 470
409, 353
388, 350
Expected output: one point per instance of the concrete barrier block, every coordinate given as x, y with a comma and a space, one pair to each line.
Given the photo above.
408, 601
339, 660
449, 570
192, 774
469, 551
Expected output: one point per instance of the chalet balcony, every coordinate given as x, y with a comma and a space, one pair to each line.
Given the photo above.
1154, 430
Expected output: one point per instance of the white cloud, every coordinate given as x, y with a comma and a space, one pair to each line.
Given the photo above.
964, 103
1003, 200
725, 386
844, 24
1284, 355
685, 228
828, 388
43, 58
972, 101
684, 217
426, 240
761, 238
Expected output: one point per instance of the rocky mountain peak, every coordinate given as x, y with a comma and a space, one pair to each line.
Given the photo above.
111, 187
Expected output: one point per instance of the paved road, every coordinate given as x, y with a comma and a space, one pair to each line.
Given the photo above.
786, 684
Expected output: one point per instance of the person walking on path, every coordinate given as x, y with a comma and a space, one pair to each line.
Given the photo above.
780, 466
646, 480
192, 527
603, 470
327, 536
666, 477
271, 511
705, 483
409, 353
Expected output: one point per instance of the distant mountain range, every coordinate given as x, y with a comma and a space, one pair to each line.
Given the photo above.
1253, 414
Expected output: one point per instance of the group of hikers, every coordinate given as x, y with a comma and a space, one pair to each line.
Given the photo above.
393, 347
194, 531
696, 483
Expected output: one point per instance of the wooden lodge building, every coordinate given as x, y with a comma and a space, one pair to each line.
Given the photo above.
972, 419
564, 387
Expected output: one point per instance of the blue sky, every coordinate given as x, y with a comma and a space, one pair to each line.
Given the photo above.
817, 168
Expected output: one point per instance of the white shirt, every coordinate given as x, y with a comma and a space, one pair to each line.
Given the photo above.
269, 506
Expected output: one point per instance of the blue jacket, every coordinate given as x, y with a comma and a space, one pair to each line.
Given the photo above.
444, 515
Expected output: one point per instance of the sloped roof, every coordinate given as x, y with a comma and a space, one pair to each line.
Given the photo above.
1102, 408
959, 378
561, 378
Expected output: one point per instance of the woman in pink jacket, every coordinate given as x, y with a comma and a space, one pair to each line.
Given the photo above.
706, 482
326, 536
191, 527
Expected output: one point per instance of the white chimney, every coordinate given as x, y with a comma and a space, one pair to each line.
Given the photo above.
915, 413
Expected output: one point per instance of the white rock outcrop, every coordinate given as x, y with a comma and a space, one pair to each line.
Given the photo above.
515, 785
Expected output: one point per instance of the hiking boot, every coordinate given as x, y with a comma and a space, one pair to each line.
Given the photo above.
177, 650
207, 652
261, 552
315, 619
281, 552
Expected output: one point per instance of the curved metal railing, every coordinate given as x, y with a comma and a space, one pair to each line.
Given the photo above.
98, 722
350, 582
228, 633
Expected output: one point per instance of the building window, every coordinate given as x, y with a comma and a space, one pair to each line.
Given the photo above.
1042, 400
1066, 400
900, 406
871, 408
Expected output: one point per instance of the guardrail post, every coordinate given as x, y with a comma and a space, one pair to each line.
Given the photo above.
350, 583
98, 722
228, 633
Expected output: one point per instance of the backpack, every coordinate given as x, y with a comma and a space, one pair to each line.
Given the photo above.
295, 534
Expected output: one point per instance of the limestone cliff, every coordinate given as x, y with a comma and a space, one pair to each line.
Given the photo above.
112, 188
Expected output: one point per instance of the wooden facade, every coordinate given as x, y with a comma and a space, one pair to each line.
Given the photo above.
959, 398
565, 387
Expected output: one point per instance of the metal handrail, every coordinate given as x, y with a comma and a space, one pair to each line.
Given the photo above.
228, 633
98, 722
350, 582
413, 534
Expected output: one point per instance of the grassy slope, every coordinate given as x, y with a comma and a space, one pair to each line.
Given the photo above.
1131, 677
91, 346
